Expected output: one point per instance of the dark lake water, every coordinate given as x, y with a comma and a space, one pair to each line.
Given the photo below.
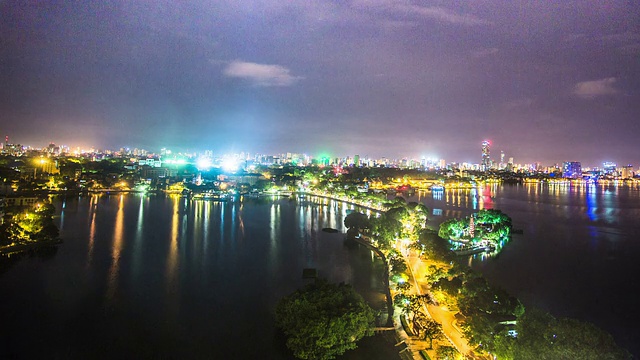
153, 276
579, 254
162, 277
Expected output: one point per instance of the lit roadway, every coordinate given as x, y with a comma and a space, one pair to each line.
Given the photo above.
418, 270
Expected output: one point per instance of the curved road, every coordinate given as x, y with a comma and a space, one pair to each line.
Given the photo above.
443, 316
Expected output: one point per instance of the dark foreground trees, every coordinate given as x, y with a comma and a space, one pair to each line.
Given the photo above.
497, 322
542, 336
29, 226
323, 320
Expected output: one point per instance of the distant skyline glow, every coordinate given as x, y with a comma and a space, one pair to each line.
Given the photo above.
546, 82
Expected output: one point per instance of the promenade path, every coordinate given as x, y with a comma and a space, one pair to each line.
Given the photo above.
452, 332
418, 269
446, 318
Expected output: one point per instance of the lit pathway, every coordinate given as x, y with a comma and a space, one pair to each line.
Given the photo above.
442, 316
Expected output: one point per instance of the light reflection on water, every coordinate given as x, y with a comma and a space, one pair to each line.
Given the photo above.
578, 253
185, 276
601, 204
92, 229
116, 248
172, 254
274, 234
176, 271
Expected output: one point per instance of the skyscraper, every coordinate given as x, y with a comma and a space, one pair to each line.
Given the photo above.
610, 168
486, 160
627, 172
572, 170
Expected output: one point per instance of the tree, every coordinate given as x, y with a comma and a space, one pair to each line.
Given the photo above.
400, 299
396, 263
30, 225
447, 353
413, 305
435, 247
403, 286
323, 320
357, 221
399, 213
451, 229
541, 336
451, 287
418, 216
435, 273
386, 229
431, 330
492, 216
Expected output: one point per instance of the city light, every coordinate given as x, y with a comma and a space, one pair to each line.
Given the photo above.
204, 163
230, 164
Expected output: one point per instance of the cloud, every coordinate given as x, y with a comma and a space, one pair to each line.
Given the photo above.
590, 89
431, 12
261, 74
443, 14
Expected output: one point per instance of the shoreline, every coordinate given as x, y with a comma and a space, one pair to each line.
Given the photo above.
393, 317
413, 346
378, 210
9, 250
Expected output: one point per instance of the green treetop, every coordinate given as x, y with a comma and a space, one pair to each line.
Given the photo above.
324, 320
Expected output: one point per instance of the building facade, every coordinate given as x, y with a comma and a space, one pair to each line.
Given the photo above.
572, 170
486, 158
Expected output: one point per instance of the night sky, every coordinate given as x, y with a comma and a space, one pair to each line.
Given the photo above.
545, 81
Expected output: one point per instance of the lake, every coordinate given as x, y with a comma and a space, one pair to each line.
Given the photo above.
162, 276
154, 276
578, 256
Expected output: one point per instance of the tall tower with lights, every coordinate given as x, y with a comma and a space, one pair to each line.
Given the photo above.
486, 160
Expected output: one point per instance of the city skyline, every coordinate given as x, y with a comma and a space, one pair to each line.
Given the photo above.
485, 161
545, 82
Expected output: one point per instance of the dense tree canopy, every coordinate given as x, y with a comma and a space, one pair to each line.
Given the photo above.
32, 225
541, 336
451, 229
385, 229
323, 320
357, 221
490, 225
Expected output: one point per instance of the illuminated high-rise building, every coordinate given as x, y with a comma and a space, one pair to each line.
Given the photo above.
627, 172
610, 168
572, 170
486, 160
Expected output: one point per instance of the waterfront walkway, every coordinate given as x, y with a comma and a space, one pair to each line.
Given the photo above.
417, 268
365, 205
445, 317
414, 345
